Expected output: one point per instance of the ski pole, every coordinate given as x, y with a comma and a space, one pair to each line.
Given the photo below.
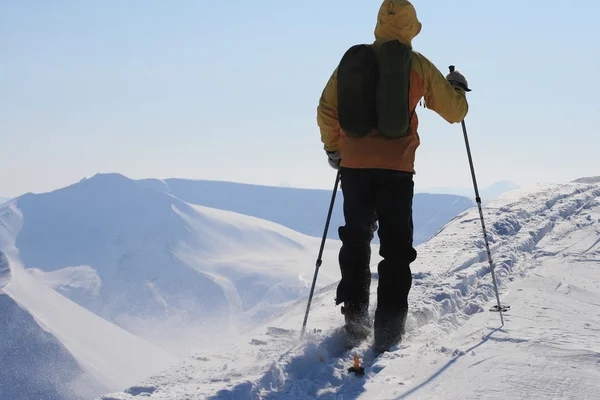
319, 258
499, 308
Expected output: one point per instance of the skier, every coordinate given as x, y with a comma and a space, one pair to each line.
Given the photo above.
377, 165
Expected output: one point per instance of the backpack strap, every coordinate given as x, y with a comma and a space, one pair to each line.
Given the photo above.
393, 90
357, 86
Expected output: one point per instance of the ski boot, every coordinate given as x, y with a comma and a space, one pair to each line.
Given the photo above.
357, 324
389, 329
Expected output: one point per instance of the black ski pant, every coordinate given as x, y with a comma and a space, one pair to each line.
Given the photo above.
374, 196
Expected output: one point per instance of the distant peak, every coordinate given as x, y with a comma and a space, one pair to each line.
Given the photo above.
591, 179
112, 177
505, 185
101, 182
107, 180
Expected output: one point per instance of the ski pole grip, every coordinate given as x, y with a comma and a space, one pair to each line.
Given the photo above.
452, 68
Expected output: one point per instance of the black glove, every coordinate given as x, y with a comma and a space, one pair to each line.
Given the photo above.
456, 79
334, 158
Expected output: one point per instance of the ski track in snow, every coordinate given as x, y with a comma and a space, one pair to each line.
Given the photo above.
545, 245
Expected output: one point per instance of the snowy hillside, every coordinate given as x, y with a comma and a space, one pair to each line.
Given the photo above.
3, 200
546, 244
40, 367
304, 210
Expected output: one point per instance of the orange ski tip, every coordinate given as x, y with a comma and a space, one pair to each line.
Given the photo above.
356, 361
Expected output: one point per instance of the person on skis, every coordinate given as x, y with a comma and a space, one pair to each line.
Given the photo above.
366, 115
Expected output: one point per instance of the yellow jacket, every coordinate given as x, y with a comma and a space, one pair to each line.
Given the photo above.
397, 19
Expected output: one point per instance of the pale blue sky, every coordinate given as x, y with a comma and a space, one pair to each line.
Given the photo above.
228, 90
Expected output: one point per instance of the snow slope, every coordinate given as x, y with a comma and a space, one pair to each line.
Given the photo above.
111, 355
546, 244
4, 200
304, 210
39, 365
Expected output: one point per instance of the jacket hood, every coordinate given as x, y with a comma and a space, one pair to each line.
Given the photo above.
397, 20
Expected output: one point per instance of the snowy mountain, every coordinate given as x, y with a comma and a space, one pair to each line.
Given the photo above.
546, 246
304, 210
4, 200
155, 265
160, 268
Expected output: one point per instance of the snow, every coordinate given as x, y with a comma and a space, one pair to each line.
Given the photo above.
39, 366
546, 246
549, 348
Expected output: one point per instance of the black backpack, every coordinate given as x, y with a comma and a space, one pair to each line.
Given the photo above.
373, 90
